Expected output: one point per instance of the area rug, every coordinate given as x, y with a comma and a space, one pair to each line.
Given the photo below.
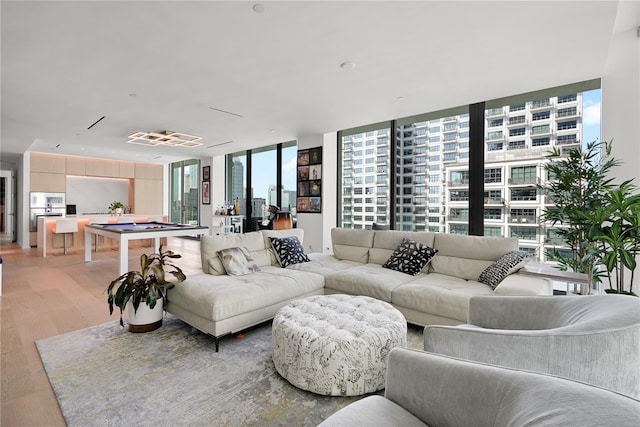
106, 376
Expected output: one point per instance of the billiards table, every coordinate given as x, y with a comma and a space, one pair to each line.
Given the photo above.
125, 231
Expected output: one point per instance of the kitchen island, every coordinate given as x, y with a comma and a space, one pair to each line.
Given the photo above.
49, 243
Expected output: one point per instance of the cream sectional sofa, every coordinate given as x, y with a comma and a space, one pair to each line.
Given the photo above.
219, 304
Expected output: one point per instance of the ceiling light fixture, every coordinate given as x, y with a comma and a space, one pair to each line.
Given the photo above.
348, 65
173, 139
259, 8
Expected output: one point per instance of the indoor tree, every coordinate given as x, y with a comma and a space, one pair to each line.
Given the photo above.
578, 182
615, 229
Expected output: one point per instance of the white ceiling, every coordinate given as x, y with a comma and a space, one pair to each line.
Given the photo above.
156, 66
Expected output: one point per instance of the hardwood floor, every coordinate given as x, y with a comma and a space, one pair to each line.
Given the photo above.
44, 297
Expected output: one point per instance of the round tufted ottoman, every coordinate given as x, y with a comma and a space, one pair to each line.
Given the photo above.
336, 345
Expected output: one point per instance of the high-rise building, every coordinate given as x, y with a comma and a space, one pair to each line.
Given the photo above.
237, 185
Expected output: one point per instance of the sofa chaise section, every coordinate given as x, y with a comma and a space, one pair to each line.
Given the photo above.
219, 304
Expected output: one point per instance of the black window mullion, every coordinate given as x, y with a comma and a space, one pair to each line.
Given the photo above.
476, 169
392, 174
279, 175
248, 196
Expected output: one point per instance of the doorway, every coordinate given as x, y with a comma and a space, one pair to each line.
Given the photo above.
185, 206
7, 225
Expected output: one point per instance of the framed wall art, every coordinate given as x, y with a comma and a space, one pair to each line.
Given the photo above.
206, 172
205, 193
309, 189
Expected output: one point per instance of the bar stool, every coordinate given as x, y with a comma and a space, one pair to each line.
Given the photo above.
65, 226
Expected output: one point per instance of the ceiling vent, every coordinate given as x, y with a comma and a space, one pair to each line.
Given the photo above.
166, 137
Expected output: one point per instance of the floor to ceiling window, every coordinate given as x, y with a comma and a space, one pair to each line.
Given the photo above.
254, 177
427, 162
185, 190
432, 155
531, 125
365, 160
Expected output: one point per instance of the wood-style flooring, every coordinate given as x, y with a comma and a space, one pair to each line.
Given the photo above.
44, 297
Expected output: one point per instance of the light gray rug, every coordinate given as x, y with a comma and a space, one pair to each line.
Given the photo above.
106, 376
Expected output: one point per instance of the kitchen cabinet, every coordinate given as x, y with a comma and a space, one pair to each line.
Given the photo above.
148, 171
127, 170
48, 182
147, 196
48, 163
104, 168
75, 166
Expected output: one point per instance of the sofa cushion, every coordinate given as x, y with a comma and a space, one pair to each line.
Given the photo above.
367, 279
221, 297
237, 261
288, 250
410, 257
323, 264
439, 294
508, 263
385, 243
466, 257
352, 245
253, 242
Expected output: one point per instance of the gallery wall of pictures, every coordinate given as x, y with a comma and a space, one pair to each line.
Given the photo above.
309, 191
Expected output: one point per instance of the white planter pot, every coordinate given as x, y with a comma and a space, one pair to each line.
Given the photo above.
144, 319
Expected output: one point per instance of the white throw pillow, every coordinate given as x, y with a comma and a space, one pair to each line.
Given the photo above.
237, 261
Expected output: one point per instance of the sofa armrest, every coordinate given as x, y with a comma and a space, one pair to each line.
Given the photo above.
440, 390
516, 312
449, 391
495, 346
521, 284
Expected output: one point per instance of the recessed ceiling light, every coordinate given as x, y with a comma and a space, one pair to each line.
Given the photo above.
132, 95
400, 98
259, 8
348, 65
273, 131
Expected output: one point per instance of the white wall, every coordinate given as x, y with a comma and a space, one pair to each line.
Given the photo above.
24, 183
621, 92
94, 195
621, 96
313, 223
216, 188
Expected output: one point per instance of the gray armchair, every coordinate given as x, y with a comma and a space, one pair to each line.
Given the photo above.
593, 339
429, 389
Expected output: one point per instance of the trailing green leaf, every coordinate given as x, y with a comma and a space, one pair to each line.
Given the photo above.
148, 285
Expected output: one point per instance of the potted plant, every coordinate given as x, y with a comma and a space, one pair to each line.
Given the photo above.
598, 220
148, 286
615, 230
116, 207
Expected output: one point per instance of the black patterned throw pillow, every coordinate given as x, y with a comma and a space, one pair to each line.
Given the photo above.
410, 257
504, 266
288, 250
